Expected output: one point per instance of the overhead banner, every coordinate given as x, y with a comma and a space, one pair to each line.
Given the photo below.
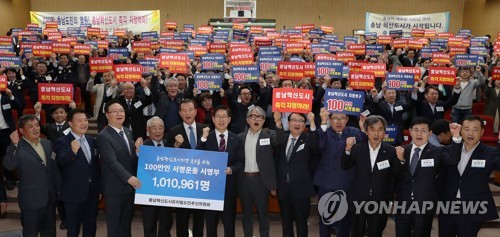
382, 24
135, 21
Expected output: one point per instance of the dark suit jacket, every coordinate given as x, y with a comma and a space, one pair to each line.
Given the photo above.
79, 178
423, 183
368, 185
118, 165
38, 181
50, 131
264, 154
7, 106
473, 183
492, 101
406, 61
395, 117
425, 110
3, 194
235, 157
162, 101
134, 116
239, 110
179, 129
149, 142
299, 168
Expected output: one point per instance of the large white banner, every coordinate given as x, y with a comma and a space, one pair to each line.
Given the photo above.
383, 23
136, 21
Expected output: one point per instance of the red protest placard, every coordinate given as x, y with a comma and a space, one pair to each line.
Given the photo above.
237, 49
400, 44
198, 50
64, 48
205, 30
176, 63
54, 36
457, 50
357, 49
307, 27
384, 39
379, 69
416, 71
218, 48
102, 44
309, 69
3, 83
55, 93
32, 25
430, 34
417, 32
444, 35
101, 64
327, 29
5, 40
346, 56
290, 70
141, 46
440, 58
119, 32
82, 49
167, 35
415, 44
455, 42
128, 72
362, 80
44, 50
170, 25
238, 26
262, 41
325, 57
294, 47
355, 66
94, 32
442, 75
103, 34
241, 59
51, 24
173, 44
256, 29
280, 41
292, 100
495, 73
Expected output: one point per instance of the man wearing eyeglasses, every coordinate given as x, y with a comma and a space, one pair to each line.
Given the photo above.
119, 170
329, 176
259, 177
295, 165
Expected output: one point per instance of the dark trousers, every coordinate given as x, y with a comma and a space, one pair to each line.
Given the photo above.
228, 215
457, 115
119, 214
182, 222
61, 211
39, 221
413, 225
82, 214
85, 96
375, 223
455, 225
4, 143
342, 227
253, 191
296, 210
157, 221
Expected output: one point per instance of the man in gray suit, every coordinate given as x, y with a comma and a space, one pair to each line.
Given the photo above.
38, 175
259, 177
116, 147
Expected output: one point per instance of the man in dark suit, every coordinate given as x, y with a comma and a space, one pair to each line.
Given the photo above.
467, 182
187, 136
417, 183
119, 170
376, 165
410, 59
329, 175
76, 154
157, 221
166, 102
428, 104
39, 177
295, 165
3, 197
223, 140
259, 177
8, 103
80, 73
134, 105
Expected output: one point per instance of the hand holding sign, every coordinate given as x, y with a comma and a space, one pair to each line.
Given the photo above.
134, 182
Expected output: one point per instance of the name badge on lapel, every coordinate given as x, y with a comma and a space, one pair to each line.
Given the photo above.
398, 108
427, 162
383, 165
137, 104
439, 109
478, 163
6, 106
301, 147
265, 141
53, 156
65, 132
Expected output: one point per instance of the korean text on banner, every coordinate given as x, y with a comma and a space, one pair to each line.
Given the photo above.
292, 100
442, 75
245, 74
362, 80
3, 83
176, 63
400, 81
206, 81
101, 64
128, 72
416, 71
55, 93
383, 23
344, 101
290, 70
183, 178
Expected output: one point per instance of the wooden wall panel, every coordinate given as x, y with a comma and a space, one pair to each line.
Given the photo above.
14, 13
343, 15
482, 17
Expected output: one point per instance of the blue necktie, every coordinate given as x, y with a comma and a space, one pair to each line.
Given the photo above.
192, 139
414, 161
85, 149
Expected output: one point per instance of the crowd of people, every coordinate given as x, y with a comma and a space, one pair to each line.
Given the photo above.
293, 156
